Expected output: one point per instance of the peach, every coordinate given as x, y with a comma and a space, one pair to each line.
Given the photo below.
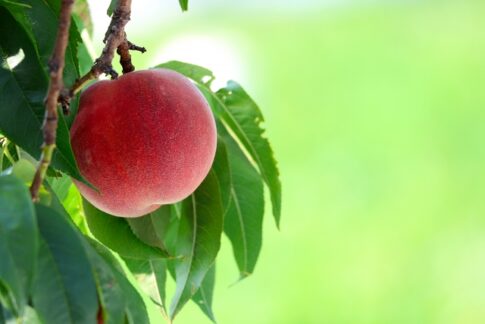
143, 140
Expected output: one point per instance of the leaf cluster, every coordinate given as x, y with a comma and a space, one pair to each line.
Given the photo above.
63, 260
53, 272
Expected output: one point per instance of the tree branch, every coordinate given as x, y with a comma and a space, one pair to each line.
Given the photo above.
56, 67
115, 40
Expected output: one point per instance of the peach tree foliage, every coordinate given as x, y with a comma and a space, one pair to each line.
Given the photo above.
64, 261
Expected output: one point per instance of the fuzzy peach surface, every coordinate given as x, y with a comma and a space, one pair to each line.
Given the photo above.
143, 140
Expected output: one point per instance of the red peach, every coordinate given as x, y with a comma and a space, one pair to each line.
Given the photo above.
143, 140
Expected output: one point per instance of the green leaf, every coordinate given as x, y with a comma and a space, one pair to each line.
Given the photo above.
184, 4
53, 307
222, 171
195, 72
135, 309
63, 157
203, 296
152, 227
243, 222
18, 12
116, 234
5, 315
30, 316
81, 11
60, 185
159, 269
66, 199
73, 204
22, 87
241, 114
110, 294
85, 64
138, 266
7, 3
112, 7
18, 243
158, 228
64, 289
84, 27
8, 153
24, 170
45, 13
22, 90
198, 241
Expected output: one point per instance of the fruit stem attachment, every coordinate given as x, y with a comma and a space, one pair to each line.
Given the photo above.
125, 57
115, 40
56, 67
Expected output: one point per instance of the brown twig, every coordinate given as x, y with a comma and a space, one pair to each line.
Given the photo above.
125, 57
115, 40
56, 67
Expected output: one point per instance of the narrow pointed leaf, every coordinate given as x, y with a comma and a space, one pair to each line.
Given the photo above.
244, 118
198, 241
17, 261
116, 234
243, 222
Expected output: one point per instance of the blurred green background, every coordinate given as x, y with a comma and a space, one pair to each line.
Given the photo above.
376, 113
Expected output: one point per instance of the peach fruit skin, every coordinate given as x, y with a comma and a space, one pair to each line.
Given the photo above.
143, 140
